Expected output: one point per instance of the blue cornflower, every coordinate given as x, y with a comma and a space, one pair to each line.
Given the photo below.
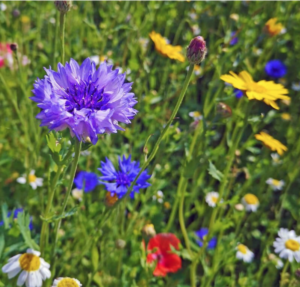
201, 234
238, 93
118, 181
16, 211
86, 100
275, 69
88, 180
233, 40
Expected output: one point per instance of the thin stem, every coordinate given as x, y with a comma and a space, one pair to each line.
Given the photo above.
62, 36
282, 274
55, 41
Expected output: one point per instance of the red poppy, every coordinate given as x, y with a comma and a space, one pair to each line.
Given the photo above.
5, 54
166, 260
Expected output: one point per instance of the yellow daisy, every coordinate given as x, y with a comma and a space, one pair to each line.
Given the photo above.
165, 49
273, 28
271, 143
266, 91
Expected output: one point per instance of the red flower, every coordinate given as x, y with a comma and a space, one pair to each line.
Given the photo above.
166, 260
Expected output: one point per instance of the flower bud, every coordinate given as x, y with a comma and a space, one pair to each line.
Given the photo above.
16, 13
63, 6
120, 243
13, 47
224, 110
196, 50
148, 230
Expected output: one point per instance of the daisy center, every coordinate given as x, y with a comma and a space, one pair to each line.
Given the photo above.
29, 262
242, 248
254, 87
214, 199
31, 178
292, 245
275, 182
196, 114
251, 199
67, 282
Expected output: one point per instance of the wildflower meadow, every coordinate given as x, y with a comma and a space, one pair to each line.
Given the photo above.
149, 143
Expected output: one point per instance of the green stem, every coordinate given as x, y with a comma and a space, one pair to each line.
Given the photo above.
62, 36
55, 41
282, 275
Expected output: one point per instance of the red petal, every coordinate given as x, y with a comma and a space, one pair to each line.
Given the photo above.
163, 242
171, 262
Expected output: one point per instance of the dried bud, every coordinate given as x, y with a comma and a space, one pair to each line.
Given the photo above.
148, 230
13, 47
110, 200
297, 272
63, 6
120, 243
16, 13
196, 50
224, 110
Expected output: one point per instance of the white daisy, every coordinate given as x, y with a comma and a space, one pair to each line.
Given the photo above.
34, 268
2, 7
32, 180
244, 253
66, 282
77, 194
196, 115
278, 263
275, 184
275, 158
196, 30
212, 198
159, 196
287, 245
251, 202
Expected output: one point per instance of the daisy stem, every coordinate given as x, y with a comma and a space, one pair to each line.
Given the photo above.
283, 277
62, 36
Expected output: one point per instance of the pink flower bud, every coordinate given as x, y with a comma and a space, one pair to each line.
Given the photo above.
196, 50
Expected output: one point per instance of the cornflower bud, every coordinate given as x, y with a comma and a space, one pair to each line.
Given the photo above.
13, 47
196, 50
63, 6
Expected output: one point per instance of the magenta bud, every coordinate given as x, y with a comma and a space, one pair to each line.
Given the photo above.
63, 6
196, 50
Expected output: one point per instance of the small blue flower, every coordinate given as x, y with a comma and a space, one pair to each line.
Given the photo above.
238, 93
201, 234
118, 181
86, 100
233, 40
275, 69
18, 210
88, 180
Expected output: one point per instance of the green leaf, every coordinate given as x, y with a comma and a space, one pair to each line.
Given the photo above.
52, 143
58, 217
212, 170
2, 243
95, 257
4, 215
23, 221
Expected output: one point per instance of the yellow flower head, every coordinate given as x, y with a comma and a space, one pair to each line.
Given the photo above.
273, 28
271, 143
165, 49
286, 116
266, 91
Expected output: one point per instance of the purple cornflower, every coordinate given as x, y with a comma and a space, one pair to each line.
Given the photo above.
86, 100
201, 234
16, 211
233, 40
118, 181
88, 180
275, 69
238, 93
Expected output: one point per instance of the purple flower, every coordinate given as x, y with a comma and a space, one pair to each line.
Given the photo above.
233, 40
201, 234
16, 211
88, 180
86, 100
275, 69
118, 181
238, 93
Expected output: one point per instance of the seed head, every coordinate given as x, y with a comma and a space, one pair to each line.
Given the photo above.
196, 50
63, 6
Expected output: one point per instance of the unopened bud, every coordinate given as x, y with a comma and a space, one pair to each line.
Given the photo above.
120, 243
63, 6
148, 230
196, 50
224, 110
16, 13
297, 272
13, 47
110, 199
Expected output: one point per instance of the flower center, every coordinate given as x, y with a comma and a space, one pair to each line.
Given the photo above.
214, 199
251, 199
242, 248
86, 96
275, 182
31, 178
29, 262
67, 282
252, 86
122, 179
292, 245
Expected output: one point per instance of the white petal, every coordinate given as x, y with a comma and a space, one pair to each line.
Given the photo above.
32, 251
21, 180
9, 267
14, 257
22, 278
32, 172
45, 273
33, 185
13, 273
44, 263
